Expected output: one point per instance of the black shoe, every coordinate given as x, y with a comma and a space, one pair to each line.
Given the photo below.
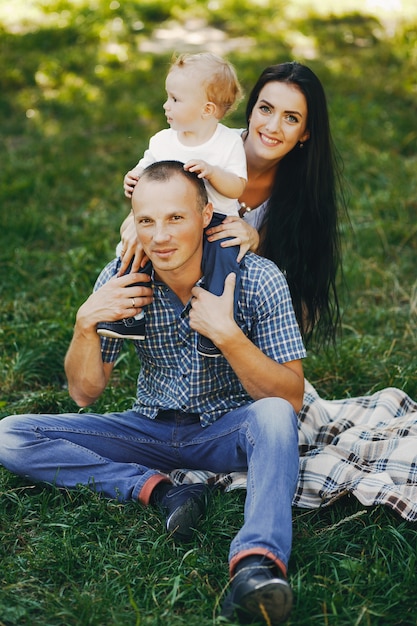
206, 347
129, 328
184, 506
258, 593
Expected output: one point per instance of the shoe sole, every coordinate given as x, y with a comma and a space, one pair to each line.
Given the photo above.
181, 523
114, 335
270, 602
214, 355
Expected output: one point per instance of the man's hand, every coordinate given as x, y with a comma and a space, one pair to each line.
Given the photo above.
261, 376
212, 316
115, 300
86, 372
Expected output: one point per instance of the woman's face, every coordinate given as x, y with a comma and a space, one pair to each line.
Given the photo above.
278, 121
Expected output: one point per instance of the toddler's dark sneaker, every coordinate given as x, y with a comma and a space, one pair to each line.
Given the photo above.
206, 347
129, 328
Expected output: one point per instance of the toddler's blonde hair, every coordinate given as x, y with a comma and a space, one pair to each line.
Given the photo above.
218, 77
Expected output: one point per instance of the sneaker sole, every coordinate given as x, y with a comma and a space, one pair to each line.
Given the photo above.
114, 335
270, 602
215, 355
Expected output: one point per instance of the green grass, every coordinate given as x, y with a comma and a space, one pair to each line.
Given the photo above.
79, 97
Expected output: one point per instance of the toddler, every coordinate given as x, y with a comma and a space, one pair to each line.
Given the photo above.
201, 89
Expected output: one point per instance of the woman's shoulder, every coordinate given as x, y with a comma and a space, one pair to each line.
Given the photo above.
256, 216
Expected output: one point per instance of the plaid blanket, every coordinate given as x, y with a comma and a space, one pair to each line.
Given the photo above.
364, 446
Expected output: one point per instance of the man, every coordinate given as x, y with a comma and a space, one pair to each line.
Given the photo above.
233, 413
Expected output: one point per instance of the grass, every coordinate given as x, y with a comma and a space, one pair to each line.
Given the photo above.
79, 96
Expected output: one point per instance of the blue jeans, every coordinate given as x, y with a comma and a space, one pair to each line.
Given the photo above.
117, 453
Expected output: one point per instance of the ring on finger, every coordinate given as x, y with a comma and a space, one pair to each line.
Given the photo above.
133, 303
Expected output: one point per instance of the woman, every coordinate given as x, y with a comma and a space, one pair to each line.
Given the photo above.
292, 193
289, 206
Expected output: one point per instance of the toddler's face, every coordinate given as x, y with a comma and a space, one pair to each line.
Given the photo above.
186, 99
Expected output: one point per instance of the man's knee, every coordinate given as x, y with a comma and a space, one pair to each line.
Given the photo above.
5, 427
9, 436
274, 417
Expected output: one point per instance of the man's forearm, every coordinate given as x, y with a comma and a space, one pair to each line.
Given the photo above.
87, 375
261, 376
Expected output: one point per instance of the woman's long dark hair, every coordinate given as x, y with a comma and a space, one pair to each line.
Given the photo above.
300, 232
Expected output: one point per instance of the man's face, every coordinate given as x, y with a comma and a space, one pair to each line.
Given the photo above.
169, 223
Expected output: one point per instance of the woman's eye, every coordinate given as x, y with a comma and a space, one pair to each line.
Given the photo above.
264, 108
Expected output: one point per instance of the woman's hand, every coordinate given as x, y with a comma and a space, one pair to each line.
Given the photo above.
241, 233
131, 248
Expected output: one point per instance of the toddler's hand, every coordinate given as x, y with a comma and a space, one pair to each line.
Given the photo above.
203, 169
129, 182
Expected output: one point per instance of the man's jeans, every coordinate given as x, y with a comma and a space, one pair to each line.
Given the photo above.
114, 453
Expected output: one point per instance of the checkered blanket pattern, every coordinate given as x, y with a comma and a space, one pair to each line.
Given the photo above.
365, 446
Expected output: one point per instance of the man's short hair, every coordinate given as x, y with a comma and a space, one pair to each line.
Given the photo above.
163, 171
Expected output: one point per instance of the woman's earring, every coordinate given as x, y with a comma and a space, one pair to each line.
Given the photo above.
301, 145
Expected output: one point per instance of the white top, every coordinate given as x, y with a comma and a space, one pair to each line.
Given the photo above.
224, 149
256, 216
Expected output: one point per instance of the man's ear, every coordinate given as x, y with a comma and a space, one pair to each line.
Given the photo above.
207, 214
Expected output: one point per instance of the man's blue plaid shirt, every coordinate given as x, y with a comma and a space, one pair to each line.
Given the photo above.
174, 376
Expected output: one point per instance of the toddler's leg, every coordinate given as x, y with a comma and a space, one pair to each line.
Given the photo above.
217, 263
